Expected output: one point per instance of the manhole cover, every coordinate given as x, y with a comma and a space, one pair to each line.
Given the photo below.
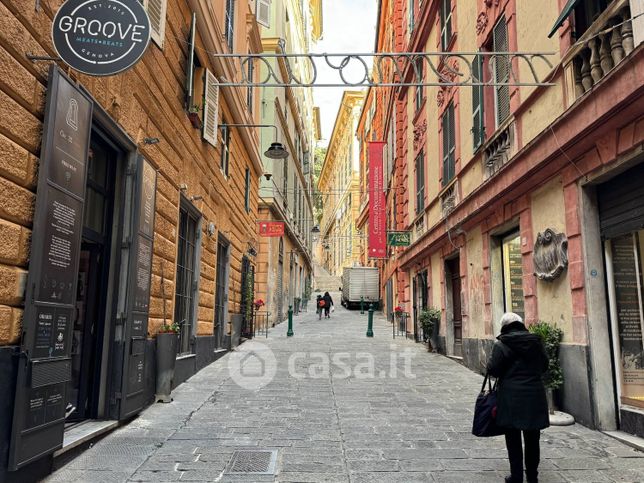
253, 462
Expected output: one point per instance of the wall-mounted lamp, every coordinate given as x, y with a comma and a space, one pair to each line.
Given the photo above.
275, 151
151, 140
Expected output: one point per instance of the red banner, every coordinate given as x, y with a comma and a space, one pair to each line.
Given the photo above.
377, 209
271, 228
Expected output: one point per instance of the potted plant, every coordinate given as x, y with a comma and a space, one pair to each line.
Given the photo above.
429, 320
553, 379
193, 115
259, 303
167, 339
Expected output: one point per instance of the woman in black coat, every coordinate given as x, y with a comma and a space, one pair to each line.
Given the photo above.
519, 361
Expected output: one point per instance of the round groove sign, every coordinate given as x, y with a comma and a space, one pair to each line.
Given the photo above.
101, 37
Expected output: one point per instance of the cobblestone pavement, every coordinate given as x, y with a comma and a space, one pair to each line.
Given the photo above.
329, 426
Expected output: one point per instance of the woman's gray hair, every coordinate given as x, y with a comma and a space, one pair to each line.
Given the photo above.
509, 318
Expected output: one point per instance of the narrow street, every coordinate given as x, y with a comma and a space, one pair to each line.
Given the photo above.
341, 407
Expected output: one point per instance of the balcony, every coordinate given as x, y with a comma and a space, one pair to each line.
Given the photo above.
499, 150
601, 48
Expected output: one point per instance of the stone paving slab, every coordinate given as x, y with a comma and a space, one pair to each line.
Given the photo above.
340, 407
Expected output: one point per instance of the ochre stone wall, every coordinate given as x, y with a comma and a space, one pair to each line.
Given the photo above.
146, 101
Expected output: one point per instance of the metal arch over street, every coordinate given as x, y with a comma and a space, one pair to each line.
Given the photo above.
396, 69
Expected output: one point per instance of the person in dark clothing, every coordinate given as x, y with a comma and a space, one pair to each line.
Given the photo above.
328, 302
519, 361
318, 307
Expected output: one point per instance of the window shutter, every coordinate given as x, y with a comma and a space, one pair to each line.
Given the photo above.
156, 12
263, 12
210, 108
501, 70
445, 147
478, 123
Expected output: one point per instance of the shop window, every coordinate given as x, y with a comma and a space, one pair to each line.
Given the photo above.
229, 27
446, 23
512, 273
626, 293
449, 144
156, 10
186, 278
420, 183
225, 148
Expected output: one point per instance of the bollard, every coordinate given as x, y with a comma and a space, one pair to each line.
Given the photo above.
361, 305
370, 324
289, 333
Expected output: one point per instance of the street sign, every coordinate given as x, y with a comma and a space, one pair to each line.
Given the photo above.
101, 37
398, 238
271, 228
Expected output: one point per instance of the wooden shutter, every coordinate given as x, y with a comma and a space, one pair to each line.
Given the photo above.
478, 119
210, 108
263, 12
501, 70
247, 193
45, 365
140, 245
156, 12
445, 123
420, 182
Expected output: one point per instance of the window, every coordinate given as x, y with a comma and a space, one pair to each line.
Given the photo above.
186, 278
229, 27
586, 12
250, 73
247, 192
501, 69
478, 115
449, 145
263, 12
225, 148
446, 23
156, 10
511, 260
420, 183
419, 89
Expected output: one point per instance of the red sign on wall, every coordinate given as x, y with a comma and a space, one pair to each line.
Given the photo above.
271, 228
377, 211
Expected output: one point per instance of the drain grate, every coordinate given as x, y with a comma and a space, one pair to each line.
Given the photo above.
256, 462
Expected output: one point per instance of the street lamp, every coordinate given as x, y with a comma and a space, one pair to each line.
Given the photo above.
275, 151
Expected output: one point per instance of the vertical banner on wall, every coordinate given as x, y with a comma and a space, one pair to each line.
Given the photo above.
377, 213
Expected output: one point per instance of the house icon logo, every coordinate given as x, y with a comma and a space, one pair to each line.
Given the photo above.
252, 366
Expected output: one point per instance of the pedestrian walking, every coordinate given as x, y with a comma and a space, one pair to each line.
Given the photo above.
318, 306
518, 361
328, 303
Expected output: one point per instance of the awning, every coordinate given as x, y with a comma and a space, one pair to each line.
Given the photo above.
567, 10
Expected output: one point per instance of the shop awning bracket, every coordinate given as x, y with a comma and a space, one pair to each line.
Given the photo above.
39, 58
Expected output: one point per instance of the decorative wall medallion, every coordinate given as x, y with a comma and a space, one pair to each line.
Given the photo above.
419, 132
440, 97
481, 22
550, 255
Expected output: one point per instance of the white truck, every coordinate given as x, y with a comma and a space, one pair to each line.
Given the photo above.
360, 282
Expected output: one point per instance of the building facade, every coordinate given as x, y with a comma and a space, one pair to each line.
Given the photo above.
527, 199
169, 196
285, 268
339, 187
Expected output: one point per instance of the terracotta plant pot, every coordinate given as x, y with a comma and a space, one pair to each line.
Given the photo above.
195, 120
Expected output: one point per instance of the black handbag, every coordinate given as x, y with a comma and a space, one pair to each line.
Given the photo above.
484, 424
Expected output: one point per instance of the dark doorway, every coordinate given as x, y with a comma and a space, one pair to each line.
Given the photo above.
221, 292
93, 274
453, 276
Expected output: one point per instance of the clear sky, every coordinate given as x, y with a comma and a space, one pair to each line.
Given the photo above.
349, 26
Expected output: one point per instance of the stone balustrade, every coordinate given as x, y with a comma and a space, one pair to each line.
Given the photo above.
608, 41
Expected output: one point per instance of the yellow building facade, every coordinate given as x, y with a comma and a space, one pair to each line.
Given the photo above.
339, 185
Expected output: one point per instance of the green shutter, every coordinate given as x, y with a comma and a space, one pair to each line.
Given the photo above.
478, 115
501, 70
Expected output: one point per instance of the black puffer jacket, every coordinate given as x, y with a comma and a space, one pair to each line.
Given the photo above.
519, 361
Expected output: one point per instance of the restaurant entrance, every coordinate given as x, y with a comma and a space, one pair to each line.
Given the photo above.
89, 326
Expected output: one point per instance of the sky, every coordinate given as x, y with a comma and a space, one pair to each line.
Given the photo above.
349, 27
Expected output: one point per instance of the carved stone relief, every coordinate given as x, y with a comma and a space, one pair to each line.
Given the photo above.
550, 255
